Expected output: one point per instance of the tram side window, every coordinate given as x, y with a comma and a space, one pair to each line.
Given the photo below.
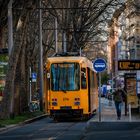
83, 78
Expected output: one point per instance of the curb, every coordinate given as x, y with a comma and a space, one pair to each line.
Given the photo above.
33, 119
7, 127
23, 123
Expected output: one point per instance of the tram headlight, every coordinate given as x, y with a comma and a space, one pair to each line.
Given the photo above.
54, 102
77, 103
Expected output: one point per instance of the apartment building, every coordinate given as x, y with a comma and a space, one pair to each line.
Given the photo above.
124, 45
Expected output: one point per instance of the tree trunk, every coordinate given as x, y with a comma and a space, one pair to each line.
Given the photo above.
8, 98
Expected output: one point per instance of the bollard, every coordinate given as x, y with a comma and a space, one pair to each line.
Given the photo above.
129, 106
110, 101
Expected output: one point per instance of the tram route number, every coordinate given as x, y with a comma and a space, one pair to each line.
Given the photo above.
65, 99
129, 65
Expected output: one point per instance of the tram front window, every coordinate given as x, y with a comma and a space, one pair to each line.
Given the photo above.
65, 76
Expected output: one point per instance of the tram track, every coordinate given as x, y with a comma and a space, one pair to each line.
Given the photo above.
60, 130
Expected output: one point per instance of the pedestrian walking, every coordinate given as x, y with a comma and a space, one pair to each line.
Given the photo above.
118, 97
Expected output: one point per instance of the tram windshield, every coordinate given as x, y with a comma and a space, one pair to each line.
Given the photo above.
65, 76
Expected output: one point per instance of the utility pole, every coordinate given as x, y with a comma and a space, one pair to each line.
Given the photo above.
56, 46
40, 57
10, 27
10, 46
30, 91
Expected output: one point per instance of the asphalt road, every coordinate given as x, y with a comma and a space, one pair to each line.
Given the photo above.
108, 129
47, 129
113, 131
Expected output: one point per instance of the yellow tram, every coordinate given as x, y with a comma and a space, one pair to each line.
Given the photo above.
70, 87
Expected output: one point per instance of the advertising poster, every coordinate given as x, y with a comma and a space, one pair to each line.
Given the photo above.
3, 71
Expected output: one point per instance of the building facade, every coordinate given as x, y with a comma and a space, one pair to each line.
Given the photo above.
124, 45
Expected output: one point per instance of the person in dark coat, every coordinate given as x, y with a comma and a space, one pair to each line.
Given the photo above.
118, 96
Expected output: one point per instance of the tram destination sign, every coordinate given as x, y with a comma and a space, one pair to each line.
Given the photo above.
129, 65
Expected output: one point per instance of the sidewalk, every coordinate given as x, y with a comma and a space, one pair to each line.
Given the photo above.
108, 113
109, 128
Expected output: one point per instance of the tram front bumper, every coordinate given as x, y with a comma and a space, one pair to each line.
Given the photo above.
66, 113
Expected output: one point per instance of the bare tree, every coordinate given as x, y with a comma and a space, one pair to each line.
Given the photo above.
16, 61
81, 20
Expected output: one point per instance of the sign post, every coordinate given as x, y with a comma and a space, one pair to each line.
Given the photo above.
99, 65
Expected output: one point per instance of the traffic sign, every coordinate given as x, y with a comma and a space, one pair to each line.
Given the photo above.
34, 77
99, 65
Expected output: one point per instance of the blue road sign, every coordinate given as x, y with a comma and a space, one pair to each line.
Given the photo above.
34, 77
99, 65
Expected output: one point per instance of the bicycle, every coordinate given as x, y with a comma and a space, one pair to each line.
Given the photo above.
34, 106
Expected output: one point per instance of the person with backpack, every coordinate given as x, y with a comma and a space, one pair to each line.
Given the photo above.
118, 96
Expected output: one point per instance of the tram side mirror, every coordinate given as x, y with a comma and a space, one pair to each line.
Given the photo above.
48, 75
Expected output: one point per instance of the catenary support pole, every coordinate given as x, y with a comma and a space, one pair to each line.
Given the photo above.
40, 57
30, 96
56, 46
10, 27
10, 46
